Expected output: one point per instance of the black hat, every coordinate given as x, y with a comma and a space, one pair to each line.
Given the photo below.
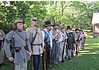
18, 21
63, 27
68, 27
34, 19
55, 24
47, 23
76, 29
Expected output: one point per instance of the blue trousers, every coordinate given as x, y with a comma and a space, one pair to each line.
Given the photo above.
56, 53
36, 61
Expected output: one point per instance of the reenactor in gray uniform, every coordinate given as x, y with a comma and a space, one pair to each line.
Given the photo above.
63, 44
2, 37
56, 39
36, 44
20, 46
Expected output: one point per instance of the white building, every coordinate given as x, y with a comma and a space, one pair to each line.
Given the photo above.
95, 22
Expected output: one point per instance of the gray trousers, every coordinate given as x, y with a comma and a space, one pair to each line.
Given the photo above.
81, 44
69, 52
22, 66
61, 51
1, 55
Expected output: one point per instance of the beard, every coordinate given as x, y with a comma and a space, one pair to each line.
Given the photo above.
20, 30
55, 28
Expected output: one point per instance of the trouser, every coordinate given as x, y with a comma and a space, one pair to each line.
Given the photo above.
62, 54
73, 50
81, 45
47, 58
36, 61
55, 52
1, 55
69, 53
22, 66
77, 48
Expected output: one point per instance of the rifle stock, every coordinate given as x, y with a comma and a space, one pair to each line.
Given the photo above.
63, 52
32, 57
76, 49
44, 58
32, 63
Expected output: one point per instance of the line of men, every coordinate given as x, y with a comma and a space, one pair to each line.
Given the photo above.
53, 44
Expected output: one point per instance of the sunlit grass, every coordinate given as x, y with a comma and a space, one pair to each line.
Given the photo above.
87, 59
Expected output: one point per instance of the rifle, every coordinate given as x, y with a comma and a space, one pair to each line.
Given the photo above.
32, 54
32, 63
76, 49
72, 51
63, 52
54, 53
44, 58
67, 49
13, 39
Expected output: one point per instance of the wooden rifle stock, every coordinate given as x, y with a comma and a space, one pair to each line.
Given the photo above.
63, 52
32, 57
76, 48
44, 58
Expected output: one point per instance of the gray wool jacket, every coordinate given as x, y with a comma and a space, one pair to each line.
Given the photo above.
22, 55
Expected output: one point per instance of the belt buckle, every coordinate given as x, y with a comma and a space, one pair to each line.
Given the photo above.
22, 48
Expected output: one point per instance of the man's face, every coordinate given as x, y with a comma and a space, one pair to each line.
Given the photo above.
78, 31
34, 22
48, 27
63, 30
69, 30
19, 25
55, 27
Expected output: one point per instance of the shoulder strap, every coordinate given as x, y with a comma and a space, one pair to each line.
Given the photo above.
34, 36
20, 36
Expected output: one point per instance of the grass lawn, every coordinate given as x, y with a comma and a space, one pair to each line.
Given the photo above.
87, 59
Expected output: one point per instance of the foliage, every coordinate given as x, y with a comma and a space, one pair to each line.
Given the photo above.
74, 13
